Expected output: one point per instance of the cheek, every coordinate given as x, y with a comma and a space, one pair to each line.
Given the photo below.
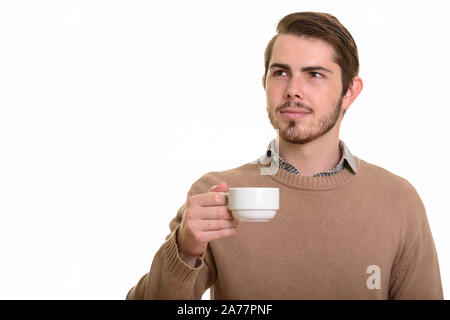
274, 91
322, 97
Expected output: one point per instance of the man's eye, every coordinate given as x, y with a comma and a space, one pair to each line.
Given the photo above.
278, 73
316, 75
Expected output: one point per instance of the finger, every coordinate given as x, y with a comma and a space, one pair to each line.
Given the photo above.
211, 225
208, 199
218, 234
221, 187
215, 213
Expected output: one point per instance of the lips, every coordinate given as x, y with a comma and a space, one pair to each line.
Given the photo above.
294, 113
295, 110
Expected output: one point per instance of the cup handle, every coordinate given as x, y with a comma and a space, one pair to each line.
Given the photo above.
226, 194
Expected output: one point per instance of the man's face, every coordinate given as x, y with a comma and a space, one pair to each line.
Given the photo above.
302, 76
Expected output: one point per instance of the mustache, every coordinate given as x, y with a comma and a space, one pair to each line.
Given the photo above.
292, 104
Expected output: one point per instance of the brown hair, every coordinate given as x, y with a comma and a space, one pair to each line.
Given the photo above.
321, 26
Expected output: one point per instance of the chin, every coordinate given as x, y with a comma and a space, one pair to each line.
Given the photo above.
296, 139
293, 134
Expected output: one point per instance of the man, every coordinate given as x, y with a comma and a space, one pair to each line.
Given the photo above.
346, 229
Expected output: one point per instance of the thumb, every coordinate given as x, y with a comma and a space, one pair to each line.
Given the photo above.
221, 187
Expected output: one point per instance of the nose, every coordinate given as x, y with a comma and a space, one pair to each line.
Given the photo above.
294, 89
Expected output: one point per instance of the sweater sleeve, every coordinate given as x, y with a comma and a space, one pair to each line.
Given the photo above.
169, 277
416, 276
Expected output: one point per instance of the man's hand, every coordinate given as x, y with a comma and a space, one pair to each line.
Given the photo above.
206, 218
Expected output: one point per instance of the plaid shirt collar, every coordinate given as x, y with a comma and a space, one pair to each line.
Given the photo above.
272, 156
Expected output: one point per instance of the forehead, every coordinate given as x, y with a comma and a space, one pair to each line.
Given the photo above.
291, 49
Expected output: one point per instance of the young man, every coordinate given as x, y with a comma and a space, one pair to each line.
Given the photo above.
346, 229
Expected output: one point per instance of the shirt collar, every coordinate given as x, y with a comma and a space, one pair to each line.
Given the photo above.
271, 155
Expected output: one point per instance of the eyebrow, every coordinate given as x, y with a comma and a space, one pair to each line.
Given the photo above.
304, 69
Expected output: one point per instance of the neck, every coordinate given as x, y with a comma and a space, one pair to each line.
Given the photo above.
319, 155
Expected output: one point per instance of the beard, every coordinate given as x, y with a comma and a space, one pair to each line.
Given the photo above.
295, 132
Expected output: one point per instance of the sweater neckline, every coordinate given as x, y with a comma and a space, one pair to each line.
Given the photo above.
296, 181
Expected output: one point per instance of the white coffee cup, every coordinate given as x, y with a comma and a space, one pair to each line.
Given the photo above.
253, 204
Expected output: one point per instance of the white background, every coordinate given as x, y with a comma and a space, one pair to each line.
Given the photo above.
110, 110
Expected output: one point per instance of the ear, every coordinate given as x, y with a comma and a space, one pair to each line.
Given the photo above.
352, 93
264, 82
